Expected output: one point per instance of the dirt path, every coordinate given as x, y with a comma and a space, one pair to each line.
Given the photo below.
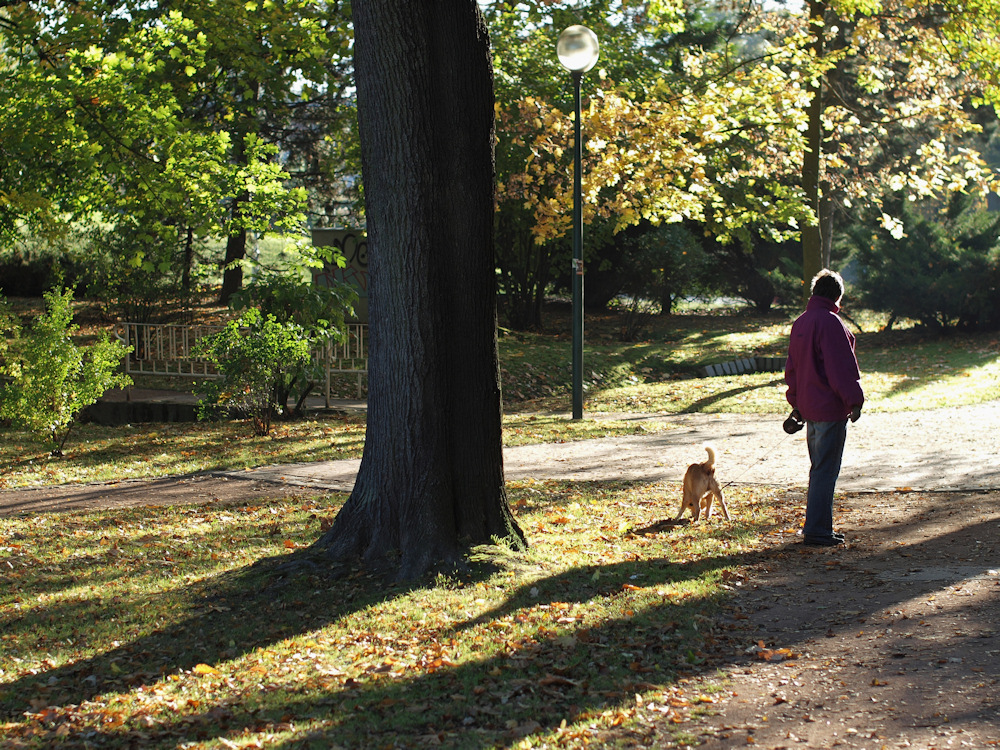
887, 642
945, 449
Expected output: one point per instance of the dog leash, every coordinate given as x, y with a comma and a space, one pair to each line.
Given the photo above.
763, 458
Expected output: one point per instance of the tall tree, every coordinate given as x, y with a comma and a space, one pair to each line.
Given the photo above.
685, 121
268, 82
890, 106
431, 476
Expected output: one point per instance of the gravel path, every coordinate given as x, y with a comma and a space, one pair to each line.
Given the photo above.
943, 450
946, 449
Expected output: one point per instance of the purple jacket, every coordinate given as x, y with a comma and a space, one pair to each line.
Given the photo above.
822, 374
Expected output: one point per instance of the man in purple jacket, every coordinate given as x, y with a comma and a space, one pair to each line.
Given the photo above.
824, 387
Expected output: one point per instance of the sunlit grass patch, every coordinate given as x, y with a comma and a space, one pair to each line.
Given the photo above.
153, 626
97, 453
756, 393
941, 373
527, 428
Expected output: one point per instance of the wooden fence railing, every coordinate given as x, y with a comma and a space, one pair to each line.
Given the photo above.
166, 350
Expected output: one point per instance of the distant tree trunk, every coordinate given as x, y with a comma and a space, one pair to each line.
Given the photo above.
431, 477
236, 242
826, 225
232, 274
834, 88
812, 241
188, 263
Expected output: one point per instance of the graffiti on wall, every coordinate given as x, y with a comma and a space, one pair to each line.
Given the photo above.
353, 245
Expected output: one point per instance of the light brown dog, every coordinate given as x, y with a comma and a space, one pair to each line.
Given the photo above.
700, 487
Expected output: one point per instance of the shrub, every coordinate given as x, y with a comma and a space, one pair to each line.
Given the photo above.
318, 311
942, 271
321, 310
257, 356
49, 378
31, 268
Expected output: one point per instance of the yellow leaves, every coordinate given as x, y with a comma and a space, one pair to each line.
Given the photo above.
204, 669
776, 655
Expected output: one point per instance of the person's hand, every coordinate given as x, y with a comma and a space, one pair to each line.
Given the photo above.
855, 413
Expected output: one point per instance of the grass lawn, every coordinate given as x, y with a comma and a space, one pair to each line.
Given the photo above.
177, 627
153, 627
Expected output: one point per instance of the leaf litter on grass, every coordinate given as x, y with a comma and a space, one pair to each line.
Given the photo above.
174, 636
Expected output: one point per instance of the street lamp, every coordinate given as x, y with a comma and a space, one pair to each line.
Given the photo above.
577, 49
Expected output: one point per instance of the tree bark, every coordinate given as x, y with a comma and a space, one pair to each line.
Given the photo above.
431, 477
812, 241
232, 274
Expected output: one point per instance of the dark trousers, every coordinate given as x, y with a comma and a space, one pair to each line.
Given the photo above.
826, 450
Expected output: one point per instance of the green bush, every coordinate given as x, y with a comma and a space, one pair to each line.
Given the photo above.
942, 271
265, 357
31, 271
48, 379
257, 357
320, 310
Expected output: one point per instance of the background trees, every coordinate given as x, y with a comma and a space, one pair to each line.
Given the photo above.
160, 126
944, 271
715, 122
891, 109
690, 120
173, 130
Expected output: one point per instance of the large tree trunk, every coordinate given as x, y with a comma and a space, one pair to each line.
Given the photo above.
431, 477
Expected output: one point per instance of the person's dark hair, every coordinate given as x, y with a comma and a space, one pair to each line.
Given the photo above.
828, 284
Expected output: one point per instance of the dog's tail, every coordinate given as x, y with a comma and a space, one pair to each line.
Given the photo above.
711, 457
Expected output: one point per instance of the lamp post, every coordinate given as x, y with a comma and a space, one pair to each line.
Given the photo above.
577, 50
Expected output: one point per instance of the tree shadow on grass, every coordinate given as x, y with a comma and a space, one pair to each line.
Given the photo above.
521, 686
702, 404
491, 698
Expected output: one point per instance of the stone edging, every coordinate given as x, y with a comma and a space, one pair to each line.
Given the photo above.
743, 366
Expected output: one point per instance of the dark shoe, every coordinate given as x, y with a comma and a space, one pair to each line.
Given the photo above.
823, 541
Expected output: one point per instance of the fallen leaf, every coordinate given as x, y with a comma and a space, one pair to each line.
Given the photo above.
551, 679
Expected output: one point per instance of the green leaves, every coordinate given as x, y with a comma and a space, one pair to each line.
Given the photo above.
52, 379
255, 355
171, 125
